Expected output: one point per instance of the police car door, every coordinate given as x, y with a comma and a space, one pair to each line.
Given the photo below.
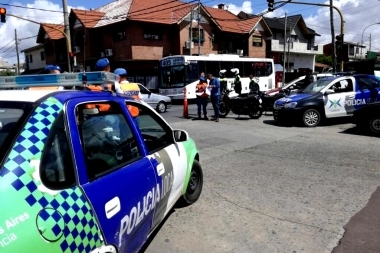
368, 90
117, 178
167, 157
336, 102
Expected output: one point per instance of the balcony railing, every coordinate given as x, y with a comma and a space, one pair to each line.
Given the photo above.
296, 47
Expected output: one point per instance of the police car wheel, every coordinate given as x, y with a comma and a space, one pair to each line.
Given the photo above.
374, 125
194, 188
161, 107
311, 118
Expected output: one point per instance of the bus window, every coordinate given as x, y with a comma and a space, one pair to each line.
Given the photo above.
239, 65
258, 69
227, 65
212, 67
201, 67
192, 74
172, 77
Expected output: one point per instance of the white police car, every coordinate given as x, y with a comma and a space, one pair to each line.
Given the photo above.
79, 174
329, 97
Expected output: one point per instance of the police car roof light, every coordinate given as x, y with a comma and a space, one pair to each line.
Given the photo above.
64, 79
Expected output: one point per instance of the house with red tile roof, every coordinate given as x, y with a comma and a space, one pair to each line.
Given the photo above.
135, 34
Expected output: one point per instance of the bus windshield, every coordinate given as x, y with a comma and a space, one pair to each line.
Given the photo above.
178, 76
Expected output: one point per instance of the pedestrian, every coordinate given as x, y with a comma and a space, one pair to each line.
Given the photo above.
129, 89
254, 87
214, 85
309, 78
202, 97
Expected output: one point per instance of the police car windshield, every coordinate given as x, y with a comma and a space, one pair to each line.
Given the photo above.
316, 87
11, 119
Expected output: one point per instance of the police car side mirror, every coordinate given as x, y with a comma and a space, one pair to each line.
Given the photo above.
180, 135
327, 92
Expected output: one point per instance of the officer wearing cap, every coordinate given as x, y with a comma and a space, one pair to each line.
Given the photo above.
102, 64
130, 89
53, 69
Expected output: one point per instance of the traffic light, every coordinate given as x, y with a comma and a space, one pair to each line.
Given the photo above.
339, 42
270, 5
3, 11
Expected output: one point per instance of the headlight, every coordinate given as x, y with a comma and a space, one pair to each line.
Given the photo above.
290, 105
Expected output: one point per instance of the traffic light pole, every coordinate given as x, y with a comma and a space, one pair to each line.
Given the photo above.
324, 5
68, 43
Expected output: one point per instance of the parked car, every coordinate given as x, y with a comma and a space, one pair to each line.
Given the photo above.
160, 102
79, 174
367, 118
272, 95
330, 97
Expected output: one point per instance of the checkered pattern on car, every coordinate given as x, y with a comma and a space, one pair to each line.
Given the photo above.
80, 233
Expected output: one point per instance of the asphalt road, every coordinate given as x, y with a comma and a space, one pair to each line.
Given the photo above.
269, 188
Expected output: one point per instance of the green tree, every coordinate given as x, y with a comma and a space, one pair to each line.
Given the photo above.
324, 59
7, 73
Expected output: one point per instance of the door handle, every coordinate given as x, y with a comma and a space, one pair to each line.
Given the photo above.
112, 207
351, 96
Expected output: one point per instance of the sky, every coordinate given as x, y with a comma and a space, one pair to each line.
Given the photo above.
357, 14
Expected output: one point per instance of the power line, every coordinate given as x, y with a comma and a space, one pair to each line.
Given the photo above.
7, 44
32, 8
27, 38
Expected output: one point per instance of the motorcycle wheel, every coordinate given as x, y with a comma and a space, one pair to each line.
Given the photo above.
223, 110
255, 114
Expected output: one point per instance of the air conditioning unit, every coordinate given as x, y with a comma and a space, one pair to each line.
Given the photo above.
108, 52
189, 44
76, 49
102, 54
240, 52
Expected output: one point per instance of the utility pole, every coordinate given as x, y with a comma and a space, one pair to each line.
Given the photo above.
67, 32
191, 30
283, 60
199, 28
288, 58
332, 36
18, 57
369, 43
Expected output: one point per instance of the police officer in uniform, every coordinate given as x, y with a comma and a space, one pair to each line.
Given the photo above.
223, 81
237, 81
130, 89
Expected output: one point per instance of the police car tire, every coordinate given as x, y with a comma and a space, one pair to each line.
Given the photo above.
194, 187
374, 125
161, 107
311, 113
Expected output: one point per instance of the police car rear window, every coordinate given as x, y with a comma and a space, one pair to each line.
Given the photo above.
12, 115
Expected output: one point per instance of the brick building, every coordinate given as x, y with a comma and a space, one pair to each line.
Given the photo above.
135, 34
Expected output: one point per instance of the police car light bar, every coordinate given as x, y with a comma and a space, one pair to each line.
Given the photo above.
64, 79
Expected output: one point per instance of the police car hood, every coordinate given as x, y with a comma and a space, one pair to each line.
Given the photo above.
293, 98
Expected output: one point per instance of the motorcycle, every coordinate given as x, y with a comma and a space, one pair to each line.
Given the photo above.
250, 105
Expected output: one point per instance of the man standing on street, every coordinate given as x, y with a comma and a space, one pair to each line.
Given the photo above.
214, 84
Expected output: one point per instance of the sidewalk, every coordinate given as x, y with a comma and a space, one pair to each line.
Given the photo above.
363, 230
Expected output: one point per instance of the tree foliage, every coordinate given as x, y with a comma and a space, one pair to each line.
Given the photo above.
7, 73
324, 59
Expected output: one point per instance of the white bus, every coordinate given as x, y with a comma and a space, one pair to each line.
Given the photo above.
179, 71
